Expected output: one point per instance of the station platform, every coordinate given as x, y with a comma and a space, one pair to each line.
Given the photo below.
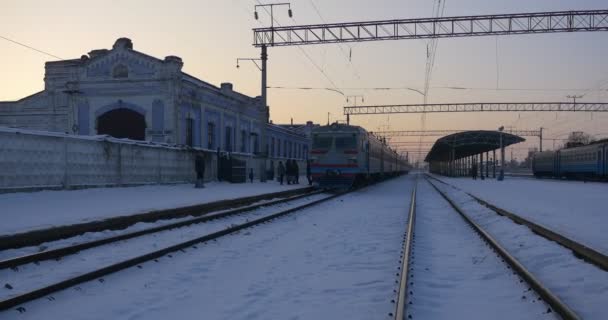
574, 208
27, 211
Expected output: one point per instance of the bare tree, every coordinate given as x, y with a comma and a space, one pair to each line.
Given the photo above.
578, 138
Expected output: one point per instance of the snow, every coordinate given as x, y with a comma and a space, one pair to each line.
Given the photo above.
337, 260
33, 276
577, 283
573, 208
455, 275
21, 212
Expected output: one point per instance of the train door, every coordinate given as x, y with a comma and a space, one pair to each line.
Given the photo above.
367, 151
556, 164
600, 164
605, 161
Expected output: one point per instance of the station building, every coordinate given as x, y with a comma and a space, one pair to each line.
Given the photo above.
143, 101
125, 93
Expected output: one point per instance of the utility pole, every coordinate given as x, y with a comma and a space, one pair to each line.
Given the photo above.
264, 69
574, 97
541, 140
501, 175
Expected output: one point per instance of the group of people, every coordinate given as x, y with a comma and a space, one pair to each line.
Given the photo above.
291, 170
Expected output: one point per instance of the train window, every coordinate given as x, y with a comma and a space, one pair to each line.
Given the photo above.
320, 142
346, 142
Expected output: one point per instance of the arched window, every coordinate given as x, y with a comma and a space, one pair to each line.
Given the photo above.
120, 71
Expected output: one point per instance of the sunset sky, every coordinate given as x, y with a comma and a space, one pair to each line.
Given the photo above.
210, 35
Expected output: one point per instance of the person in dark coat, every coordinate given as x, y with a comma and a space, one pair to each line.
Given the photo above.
288, 170
251, 175
281, 171
296, 171
474, 171
308, 174
199, 166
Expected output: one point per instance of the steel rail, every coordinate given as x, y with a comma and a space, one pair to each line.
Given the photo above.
586, 253
35, 237
559, 306
405, 258
64, 284
64, 251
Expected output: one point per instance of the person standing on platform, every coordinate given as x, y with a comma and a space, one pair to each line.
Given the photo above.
474, 171
281, 171
199, 167
289, 170
308, 174
296, 171
251, 175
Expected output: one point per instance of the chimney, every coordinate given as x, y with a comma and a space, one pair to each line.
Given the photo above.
226, 87
291, 121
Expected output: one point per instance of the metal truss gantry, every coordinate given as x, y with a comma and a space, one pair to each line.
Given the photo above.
480, 107
441, 133
442, 27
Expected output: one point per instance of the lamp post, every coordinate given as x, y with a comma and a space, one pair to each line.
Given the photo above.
264, 69
254, 60
501, 175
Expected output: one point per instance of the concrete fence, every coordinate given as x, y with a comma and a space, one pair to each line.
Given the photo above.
32, 160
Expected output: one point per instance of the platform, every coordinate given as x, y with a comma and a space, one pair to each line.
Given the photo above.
26, 211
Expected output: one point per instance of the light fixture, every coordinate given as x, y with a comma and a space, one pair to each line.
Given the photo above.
290, 13
255, 14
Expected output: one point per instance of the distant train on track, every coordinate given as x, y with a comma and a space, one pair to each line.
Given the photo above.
344, 155
586, 162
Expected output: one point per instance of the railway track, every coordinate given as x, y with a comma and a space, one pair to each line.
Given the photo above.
36, 237
403, 295
581, 250
249, 217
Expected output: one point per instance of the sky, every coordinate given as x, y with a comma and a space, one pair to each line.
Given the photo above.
210, 35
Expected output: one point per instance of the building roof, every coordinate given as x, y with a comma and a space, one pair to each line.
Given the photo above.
469, 143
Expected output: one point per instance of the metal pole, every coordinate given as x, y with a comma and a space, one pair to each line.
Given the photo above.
481, 166
263, 144
541, 140
494, 163
487, 164
501, 175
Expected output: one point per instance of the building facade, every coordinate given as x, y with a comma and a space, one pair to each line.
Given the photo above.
128, 94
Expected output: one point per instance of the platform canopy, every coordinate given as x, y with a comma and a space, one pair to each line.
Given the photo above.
469, 143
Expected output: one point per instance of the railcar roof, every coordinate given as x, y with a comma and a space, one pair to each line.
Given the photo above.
469, 143
335, 127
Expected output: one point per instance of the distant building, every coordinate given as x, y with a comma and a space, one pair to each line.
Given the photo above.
129, 94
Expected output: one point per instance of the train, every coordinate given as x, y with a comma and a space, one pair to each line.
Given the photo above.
343, 156
589, 162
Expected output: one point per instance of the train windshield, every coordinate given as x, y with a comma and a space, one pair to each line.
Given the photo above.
346, 142
321, 142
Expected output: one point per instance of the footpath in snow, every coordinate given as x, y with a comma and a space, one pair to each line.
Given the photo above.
337, 260
21, 212
573, 208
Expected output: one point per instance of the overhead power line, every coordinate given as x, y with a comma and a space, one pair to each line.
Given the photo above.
30, 47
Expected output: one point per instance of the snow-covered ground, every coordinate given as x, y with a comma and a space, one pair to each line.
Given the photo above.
573, 208
337, 260
33, 276
455, 275
21, 212
580, 285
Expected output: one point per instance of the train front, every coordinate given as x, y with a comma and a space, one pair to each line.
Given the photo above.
333, 156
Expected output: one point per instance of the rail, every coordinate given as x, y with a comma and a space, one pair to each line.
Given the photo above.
559, 306
405, 258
